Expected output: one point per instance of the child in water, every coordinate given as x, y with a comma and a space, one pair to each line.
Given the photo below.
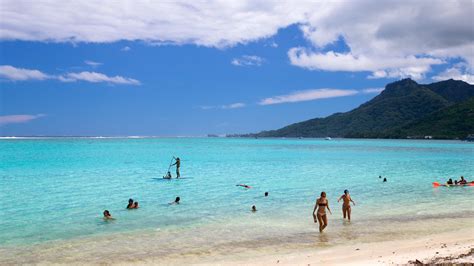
108, 216
167, 176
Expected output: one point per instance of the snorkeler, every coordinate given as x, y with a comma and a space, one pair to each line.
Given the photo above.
243, 185
130, 204
254, 209
176, 201
107, 215
321, 204
346, 205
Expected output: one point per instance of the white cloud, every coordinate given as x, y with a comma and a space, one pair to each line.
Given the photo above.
404, 35
20, 74
457, 72
95, 77
389, 38
272, 44
226, 106
207, 107
307, 95
92, 63
316, 94
248, 60
372, 90
125, 49
13, 119
212, 23
233, 106
381, 67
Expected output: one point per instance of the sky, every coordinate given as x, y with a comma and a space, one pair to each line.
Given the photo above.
192, 68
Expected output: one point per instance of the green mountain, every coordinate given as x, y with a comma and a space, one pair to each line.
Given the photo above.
394, 113
456, 121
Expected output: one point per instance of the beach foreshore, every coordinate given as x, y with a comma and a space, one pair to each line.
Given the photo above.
446, 248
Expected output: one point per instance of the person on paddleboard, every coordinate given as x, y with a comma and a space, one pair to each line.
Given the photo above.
167, 176
178, 164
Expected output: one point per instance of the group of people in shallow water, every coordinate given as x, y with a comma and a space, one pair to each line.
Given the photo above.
322, 203
134, 205
319, 211
461, 181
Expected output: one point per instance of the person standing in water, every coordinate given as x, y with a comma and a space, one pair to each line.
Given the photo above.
321, 204
346, 205
178, 164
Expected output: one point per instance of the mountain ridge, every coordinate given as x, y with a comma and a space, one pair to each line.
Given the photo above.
401, 105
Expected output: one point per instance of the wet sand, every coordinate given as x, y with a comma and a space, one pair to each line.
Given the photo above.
447, 248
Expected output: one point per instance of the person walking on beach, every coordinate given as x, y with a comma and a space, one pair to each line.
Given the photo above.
321, 204
346, 205
178, 164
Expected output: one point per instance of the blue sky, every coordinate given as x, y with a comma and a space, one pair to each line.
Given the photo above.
63, 79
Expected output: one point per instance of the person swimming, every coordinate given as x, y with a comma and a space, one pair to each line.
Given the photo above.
135, 205
450, 182
346, 205
321, 204
130, 204
107, 215
385, 179
176, 201
380, 176
254, 209
266, 194
243, 185
167, 176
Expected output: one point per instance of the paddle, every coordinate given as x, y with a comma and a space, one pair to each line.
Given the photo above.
171, 162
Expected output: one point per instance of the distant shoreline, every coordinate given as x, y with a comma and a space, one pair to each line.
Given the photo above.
223, 137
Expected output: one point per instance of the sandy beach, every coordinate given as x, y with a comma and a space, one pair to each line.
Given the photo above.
444, 248
447, 248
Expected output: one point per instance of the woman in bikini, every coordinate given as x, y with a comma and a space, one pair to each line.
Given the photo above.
320, 216
346, 205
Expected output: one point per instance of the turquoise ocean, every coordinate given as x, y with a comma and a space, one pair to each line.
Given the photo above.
53, 192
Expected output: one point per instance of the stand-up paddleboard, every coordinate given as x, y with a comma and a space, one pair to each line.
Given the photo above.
469, 184
174, 178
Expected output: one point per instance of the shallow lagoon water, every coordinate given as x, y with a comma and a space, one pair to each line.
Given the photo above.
55, 189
